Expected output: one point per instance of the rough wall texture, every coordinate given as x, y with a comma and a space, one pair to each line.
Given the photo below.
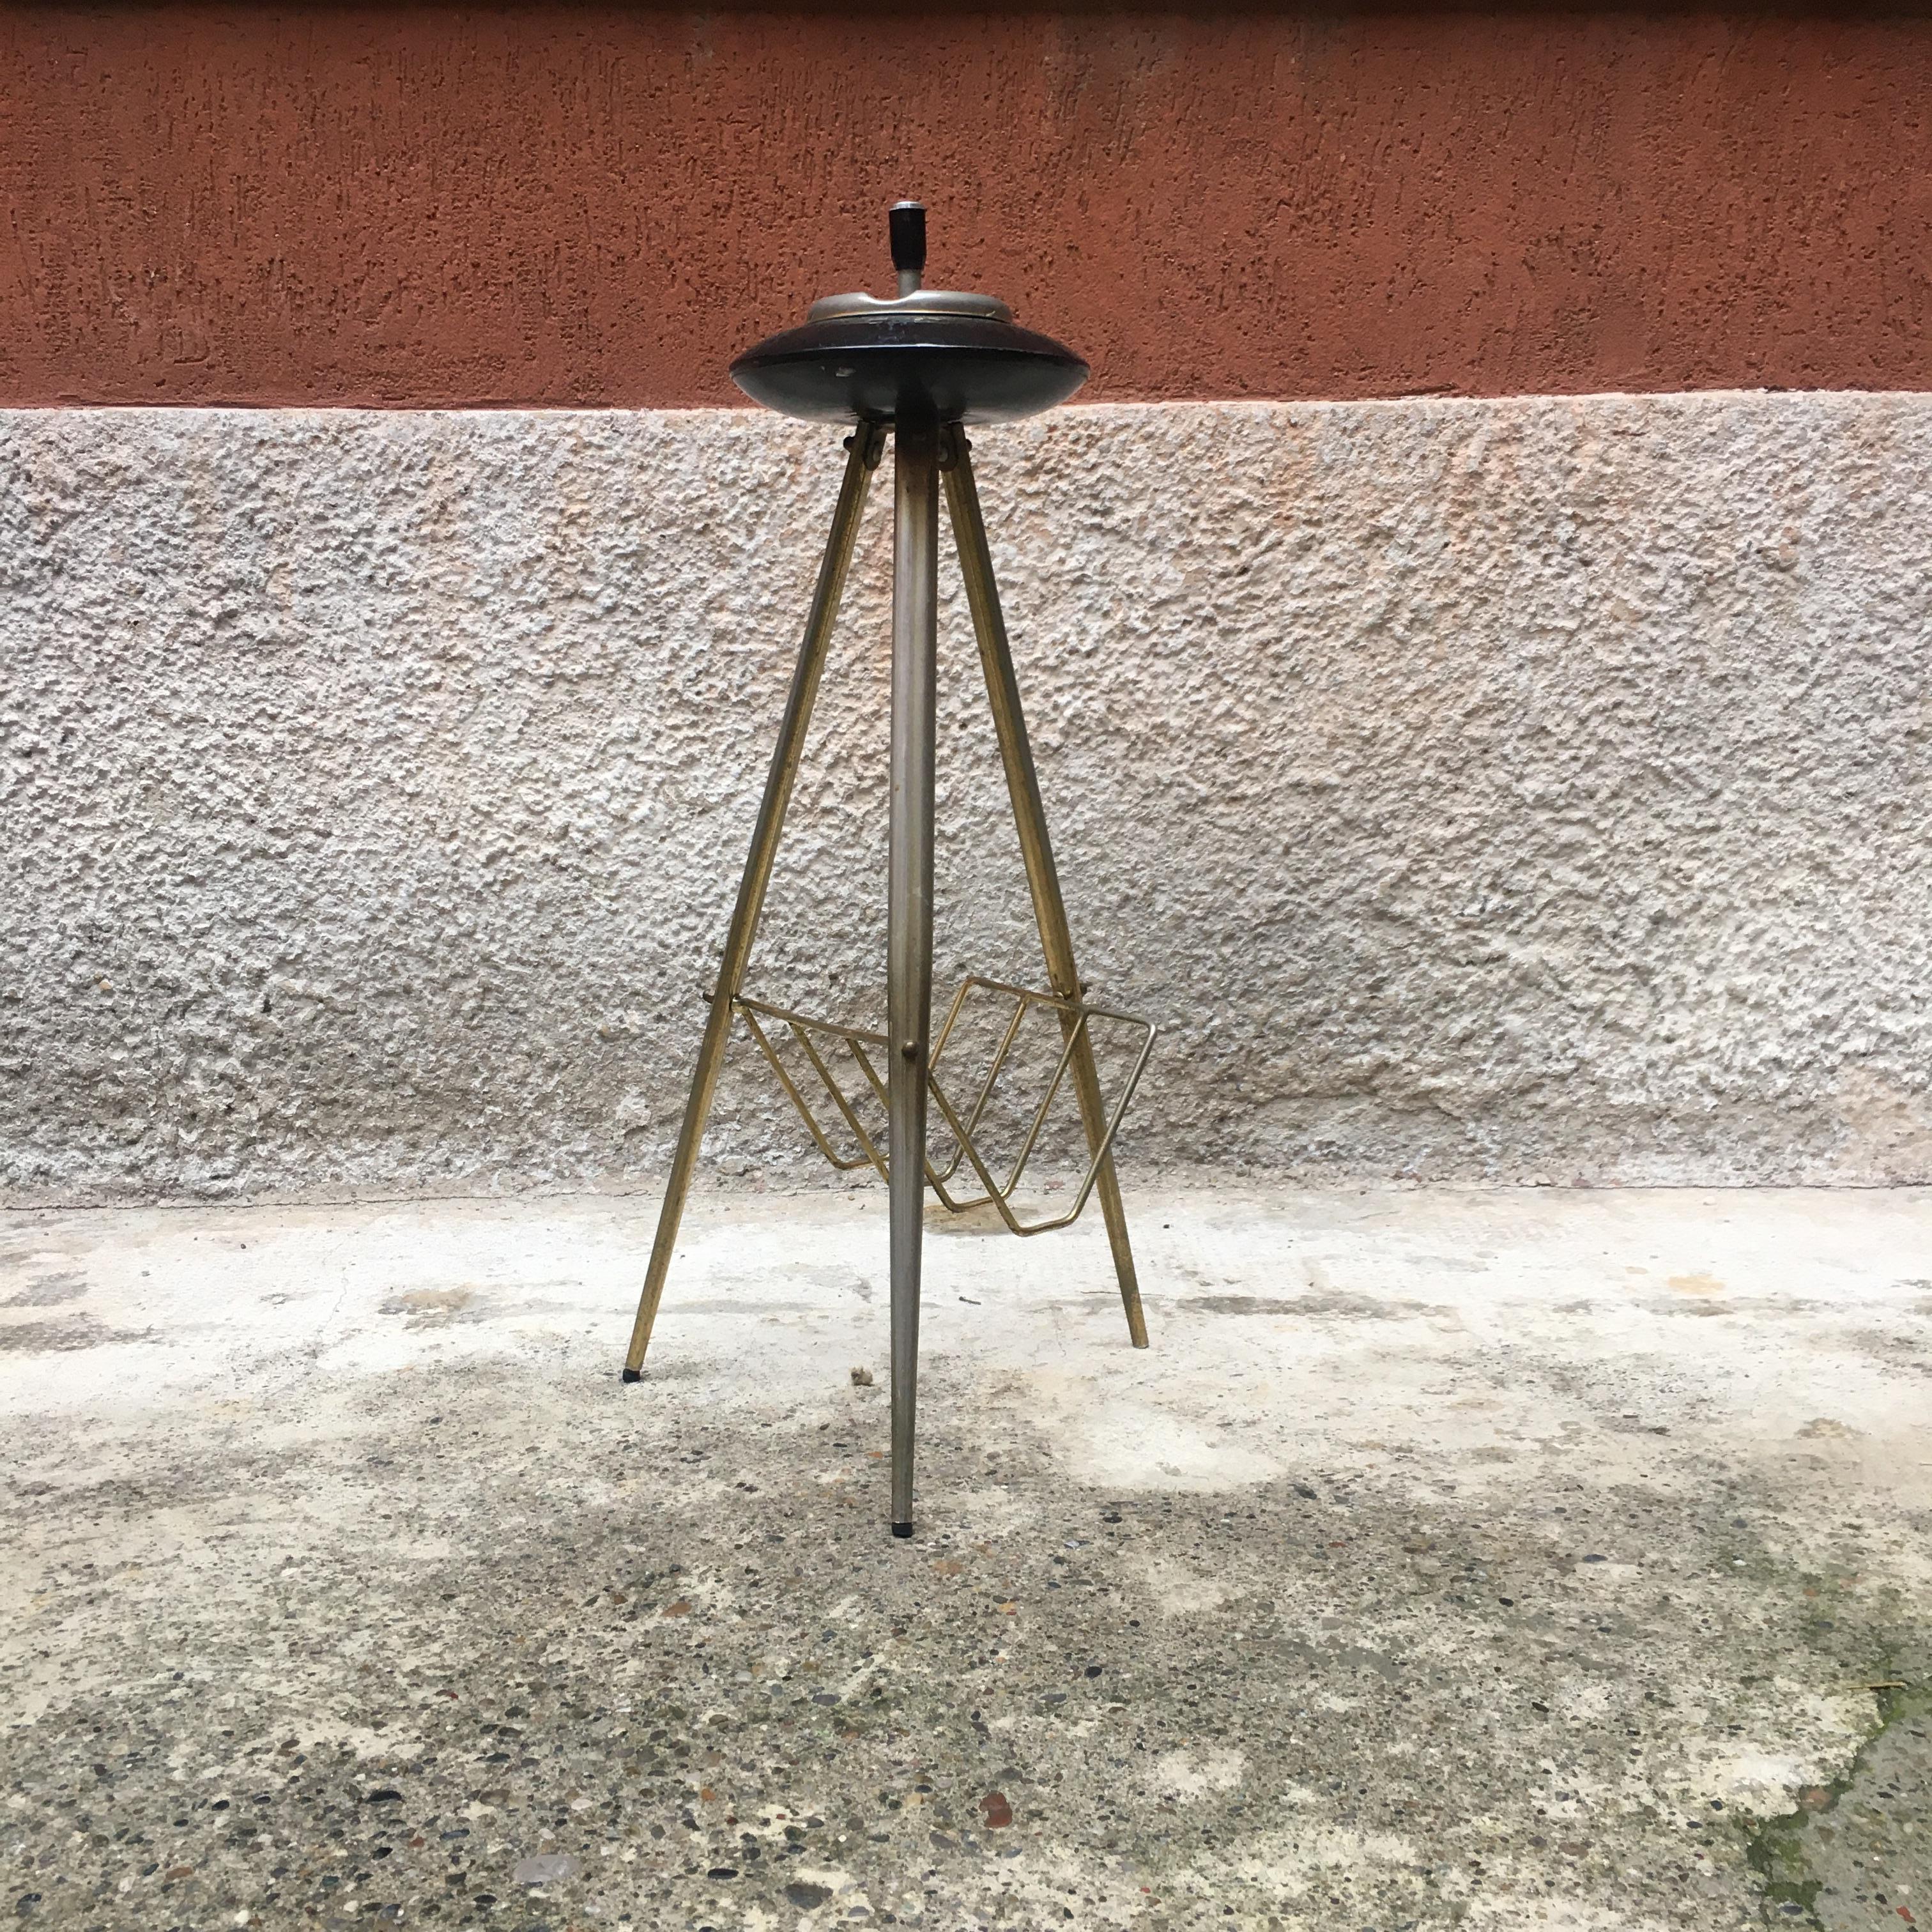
572, 204
1507, 790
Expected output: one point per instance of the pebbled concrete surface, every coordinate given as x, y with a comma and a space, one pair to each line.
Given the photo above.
1495, 1560
1523, 791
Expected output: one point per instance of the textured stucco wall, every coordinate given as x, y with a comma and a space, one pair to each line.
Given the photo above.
214, 202
1512, 790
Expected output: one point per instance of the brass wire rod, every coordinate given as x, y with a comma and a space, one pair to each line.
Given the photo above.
993, 1071
802, 1030
1024, 998
999, 1198
1073, 1036
870, 1147
860, 1035
864, 1157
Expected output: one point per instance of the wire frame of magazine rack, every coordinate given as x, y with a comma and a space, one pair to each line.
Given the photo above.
1077, 1021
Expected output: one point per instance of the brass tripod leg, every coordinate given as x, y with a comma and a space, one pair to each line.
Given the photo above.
866, 445
1003, 692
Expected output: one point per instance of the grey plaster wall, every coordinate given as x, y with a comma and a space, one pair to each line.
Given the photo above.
1535, 789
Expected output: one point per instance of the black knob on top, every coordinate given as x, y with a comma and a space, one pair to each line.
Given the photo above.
907, 223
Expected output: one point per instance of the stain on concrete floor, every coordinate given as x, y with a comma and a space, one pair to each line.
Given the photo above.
1854, 1855
1481, 1614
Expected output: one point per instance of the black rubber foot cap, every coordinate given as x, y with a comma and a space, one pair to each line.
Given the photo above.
634, 1375
902, 1529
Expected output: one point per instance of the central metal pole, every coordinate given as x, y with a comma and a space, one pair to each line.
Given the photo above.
909, 907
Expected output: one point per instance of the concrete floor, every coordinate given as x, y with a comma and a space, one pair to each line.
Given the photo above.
1504, 1559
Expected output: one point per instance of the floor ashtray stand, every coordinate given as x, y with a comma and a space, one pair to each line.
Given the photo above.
919, 367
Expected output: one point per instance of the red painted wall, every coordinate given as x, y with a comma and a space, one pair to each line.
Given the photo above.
571, 205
